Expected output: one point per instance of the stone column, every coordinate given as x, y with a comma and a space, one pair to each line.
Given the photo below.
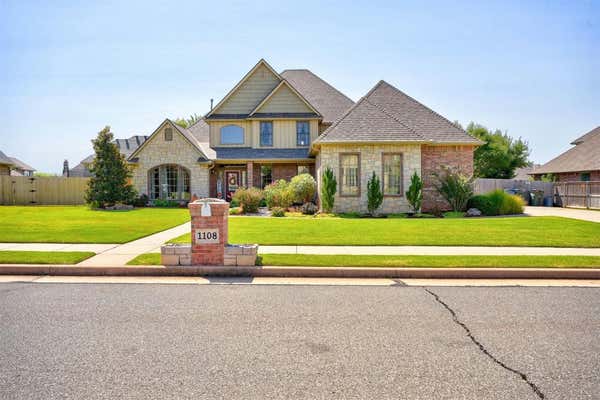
209, 231
250, 173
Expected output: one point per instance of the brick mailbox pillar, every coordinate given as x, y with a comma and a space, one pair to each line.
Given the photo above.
209, 231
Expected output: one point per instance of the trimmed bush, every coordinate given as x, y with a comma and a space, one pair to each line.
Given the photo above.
304, 188
249, 199
277, 212
309, 209
235, 211
328, 190
374, 194
414, 194
497, 202
279, 194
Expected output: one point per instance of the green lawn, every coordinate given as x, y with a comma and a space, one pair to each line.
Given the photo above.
511, 231
44, 257
79, 224
410, 261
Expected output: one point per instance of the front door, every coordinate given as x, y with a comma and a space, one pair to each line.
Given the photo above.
232, 182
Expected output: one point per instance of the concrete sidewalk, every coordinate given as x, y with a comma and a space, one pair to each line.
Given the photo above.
121, 254
576, 213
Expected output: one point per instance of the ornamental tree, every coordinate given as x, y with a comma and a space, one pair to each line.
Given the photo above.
414, 194
110, 181
374, 194
328, 190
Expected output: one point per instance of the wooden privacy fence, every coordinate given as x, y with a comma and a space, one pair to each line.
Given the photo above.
485, 185
25, 190
578, 194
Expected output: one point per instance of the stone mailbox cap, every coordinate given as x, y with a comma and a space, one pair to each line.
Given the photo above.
208, 200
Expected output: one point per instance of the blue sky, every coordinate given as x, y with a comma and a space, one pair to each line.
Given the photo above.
67, 69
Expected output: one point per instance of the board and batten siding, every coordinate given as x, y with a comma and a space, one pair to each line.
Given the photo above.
284, 101
250, 93
284, 133
215, 133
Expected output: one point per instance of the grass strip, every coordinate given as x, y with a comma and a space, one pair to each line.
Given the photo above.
44, 257
410, 261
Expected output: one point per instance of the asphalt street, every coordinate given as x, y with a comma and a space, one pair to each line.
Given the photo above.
107, 341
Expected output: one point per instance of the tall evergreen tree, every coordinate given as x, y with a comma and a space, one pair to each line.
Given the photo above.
374, 194
110, 181
328, 190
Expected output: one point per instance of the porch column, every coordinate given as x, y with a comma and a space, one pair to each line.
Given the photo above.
250, 173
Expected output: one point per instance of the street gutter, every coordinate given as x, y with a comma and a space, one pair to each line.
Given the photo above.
309, 272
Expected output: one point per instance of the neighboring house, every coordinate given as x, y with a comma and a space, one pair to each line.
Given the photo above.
14, 167
274, 125
20, 168
579, 163
524, 174
126, 147
5, 164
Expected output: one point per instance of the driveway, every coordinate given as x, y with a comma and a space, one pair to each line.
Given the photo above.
576, 213
98, 341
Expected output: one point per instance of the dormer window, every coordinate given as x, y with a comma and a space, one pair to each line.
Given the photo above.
232, 134
168, 134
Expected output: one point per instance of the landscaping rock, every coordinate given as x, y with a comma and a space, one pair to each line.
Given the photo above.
473, 212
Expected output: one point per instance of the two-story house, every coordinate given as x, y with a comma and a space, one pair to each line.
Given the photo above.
274, 126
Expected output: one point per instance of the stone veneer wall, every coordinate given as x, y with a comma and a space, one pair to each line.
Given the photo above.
179, 151
433, 159
370, 160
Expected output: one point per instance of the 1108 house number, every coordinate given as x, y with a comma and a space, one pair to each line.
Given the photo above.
207, 236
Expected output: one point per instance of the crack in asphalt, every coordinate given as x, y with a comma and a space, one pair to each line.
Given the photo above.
485, 351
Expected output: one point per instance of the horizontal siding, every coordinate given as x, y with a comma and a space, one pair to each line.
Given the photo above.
250, 93
215, 133
284, 101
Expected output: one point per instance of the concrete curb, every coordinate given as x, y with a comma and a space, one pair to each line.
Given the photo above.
309, 272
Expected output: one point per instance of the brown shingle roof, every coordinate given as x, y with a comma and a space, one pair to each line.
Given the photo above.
327, 100
387, 114
21, 165
4, 159
585, 156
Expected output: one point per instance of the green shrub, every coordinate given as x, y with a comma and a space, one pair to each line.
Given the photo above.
277, 212
483, 203
414, 194
497, 202
309, 209
374, 194
165, 203
456, 188
279, 194
249, 199
304, 188
328, 190
234, 203
235, 211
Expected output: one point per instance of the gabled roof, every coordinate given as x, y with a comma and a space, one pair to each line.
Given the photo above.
4, 160
283, 85
583, 138
187, 134
260, 63
585, 156
327, 100
129, 145
387, 114
21, 165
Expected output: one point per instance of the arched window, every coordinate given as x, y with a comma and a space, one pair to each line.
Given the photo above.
232, 134
169, 182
